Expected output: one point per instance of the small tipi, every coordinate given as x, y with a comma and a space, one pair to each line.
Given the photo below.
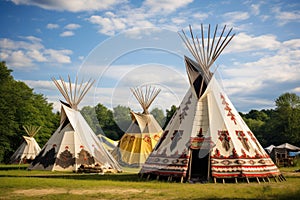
207, 139
28, 150
74, 143
143, 133
108, 143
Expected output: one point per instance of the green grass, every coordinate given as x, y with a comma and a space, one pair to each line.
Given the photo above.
18, 183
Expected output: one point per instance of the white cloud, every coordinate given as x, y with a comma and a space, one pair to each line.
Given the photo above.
52, 26
66, 34
264, 17
28, 51
36, 55
41, 85
200, 16
165, 6
232, 18
265, 76
111, 23
243, 42
72, 6
118, 79
255, 9
18, 59
149, 14
72, 26
27, 43
60, 56
108, 25
178, 20
286, 17
296, 90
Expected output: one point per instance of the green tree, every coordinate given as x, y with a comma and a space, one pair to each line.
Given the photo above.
122, 117
288, 116
256, 120
19, 106
159, 115
8, 126
279, 125
170, 114
107, 123
89, 115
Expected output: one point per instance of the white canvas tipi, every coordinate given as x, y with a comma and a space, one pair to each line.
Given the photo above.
142, 135
207, 139
28, 150
74, 143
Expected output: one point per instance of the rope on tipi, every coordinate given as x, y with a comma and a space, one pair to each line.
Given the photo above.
31, 130
206, 53
145, 97
73, 95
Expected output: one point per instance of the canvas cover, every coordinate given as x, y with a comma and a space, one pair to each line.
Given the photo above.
137, 143
108, 143
270, 148
26, 151
73, 144
207, 123
288, 147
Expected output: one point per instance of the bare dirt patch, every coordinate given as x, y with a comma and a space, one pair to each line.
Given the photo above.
101, 190
38, 192
43, 192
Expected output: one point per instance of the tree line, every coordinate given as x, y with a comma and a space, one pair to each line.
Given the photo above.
279, 125
113, 123
19, 106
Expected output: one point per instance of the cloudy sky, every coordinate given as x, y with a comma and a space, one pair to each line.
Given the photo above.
124, 43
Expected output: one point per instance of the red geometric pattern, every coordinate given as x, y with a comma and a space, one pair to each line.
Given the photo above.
147, 139
224, 138
257, 144
242, 137
228, 109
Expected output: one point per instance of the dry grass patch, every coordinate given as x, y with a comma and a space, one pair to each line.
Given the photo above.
44, 192
39, 192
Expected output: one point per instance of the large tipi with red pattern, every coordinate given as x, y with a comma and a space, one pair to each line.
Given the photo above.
207, 139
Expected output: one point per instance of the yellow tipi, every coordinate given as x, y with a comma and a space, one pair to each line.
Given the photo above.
143, 133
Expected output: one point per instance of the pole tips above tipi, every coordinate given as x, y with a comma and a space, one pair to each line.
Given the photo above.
206, 50
31, 130
145, 96
73, 94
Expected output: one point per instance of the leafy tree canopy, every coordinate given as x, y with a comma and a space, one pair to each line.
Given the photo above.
279, 125
19, 106
159, 115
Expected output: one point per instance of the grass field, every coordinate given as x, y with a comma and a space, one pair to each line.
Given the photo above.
18, 183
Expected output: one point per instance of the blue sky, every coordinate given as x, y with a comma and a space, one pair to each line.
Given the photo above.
123, 44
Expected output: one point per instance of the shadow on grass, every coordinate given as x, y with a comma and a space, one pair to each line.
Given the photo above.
21, 171
111, 177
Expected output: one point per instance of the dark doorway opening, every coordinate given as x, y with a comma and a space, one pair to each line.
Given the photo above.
199, 165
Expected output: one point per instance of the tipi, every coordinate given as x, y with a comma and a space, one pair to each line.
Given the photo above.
143, 133
28, 150
74, 143
108, 143
207, 139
